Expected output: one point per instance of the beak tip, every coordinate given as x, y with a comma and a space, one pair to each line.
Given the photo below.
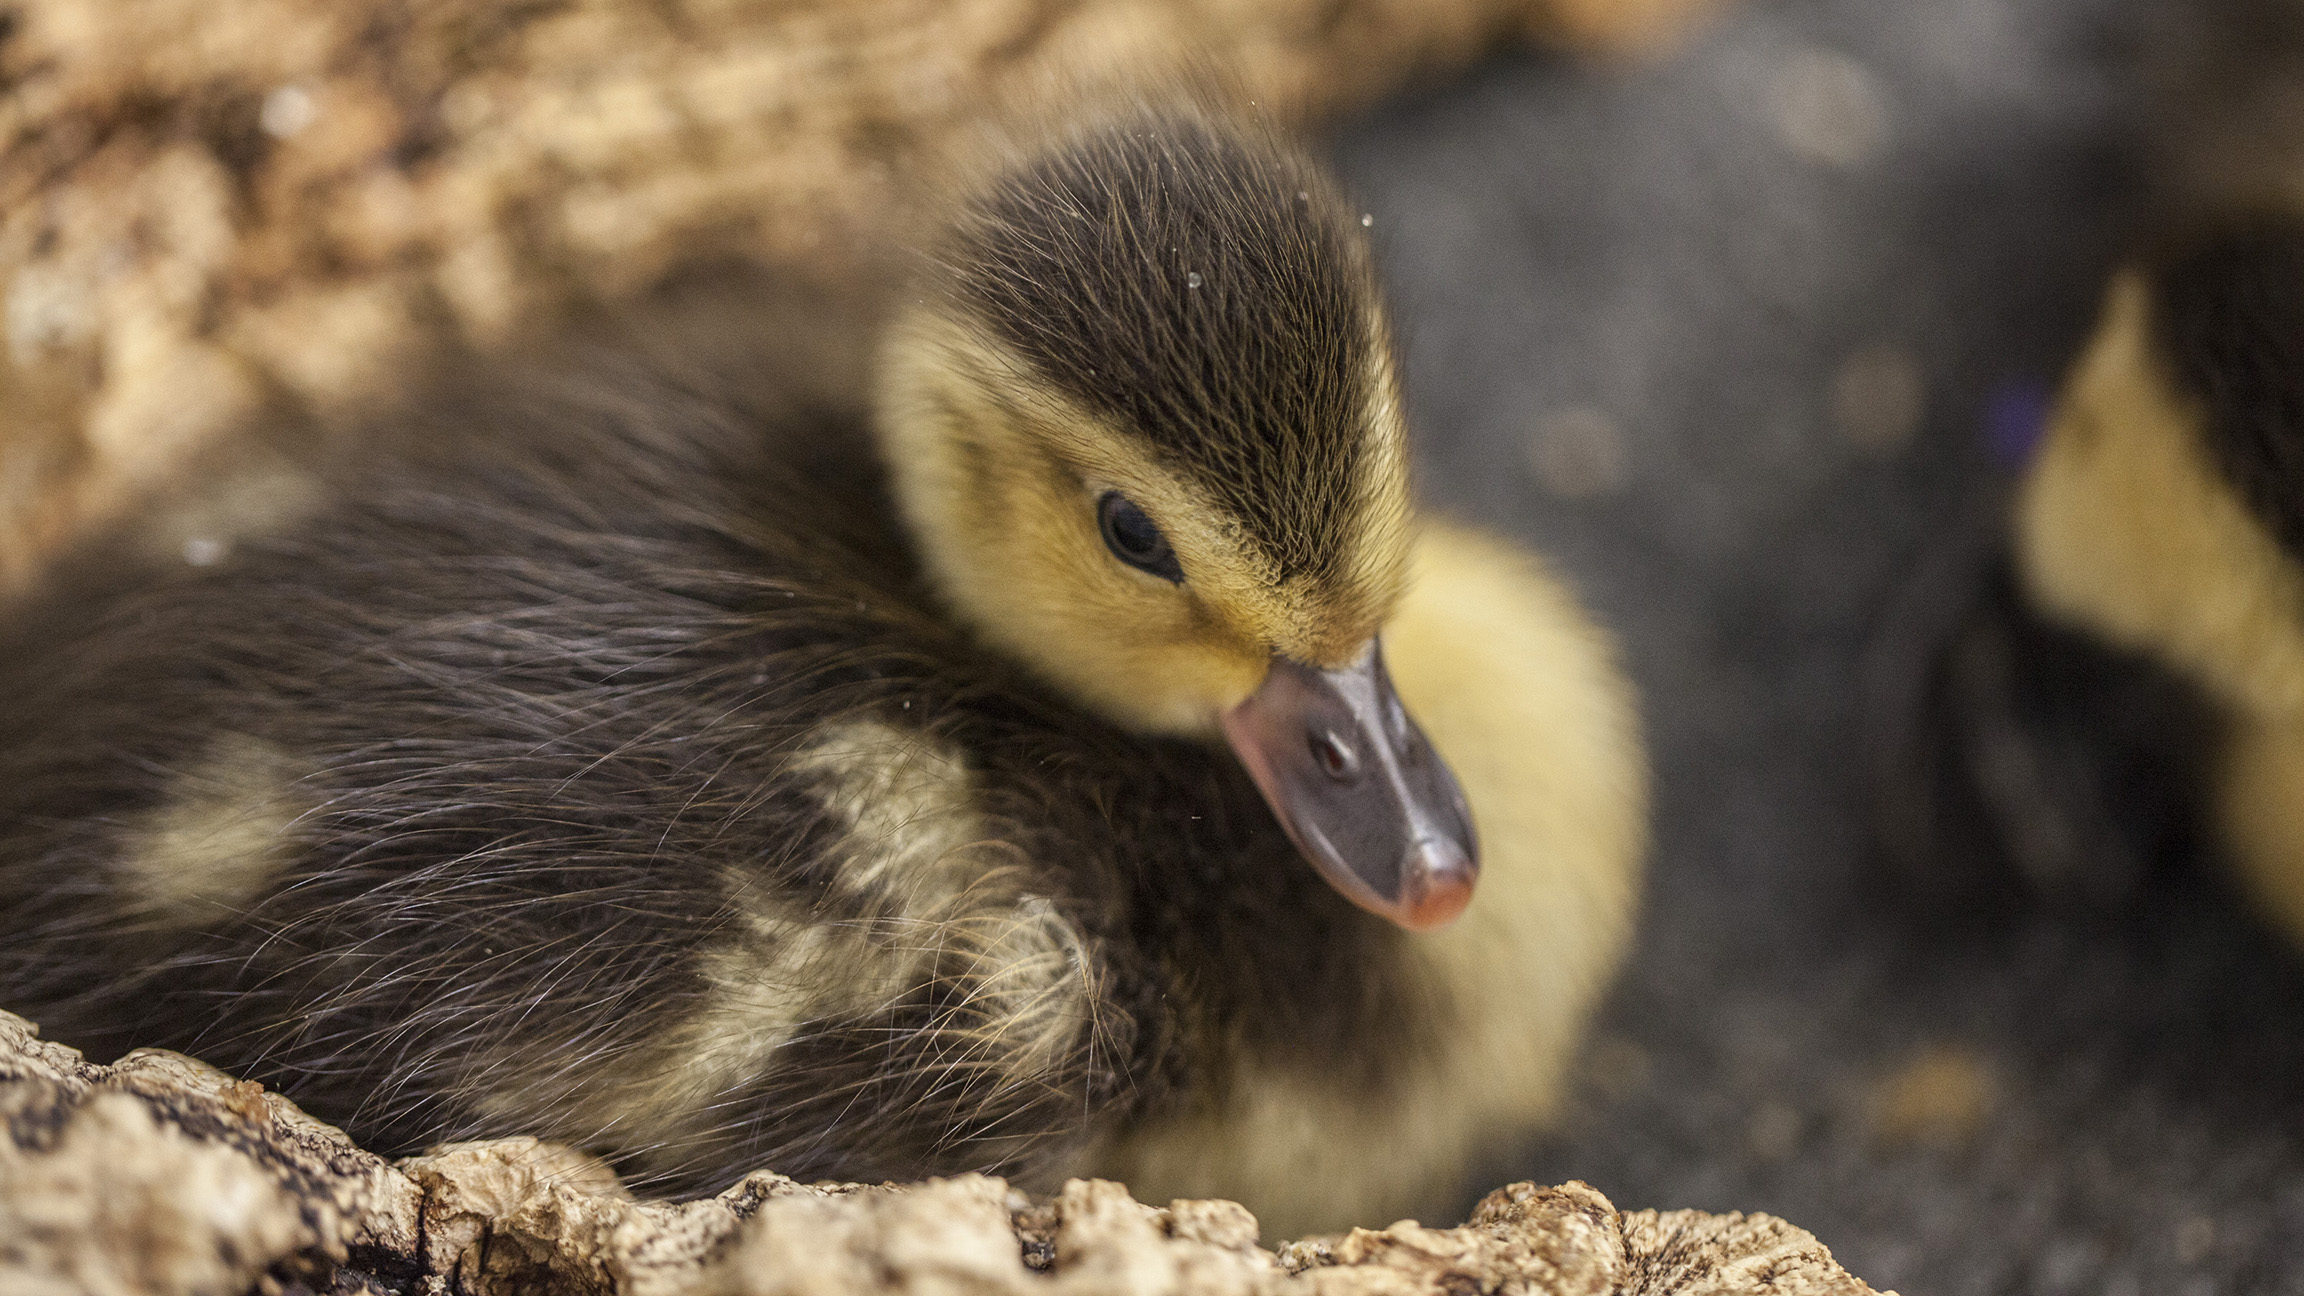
1436, 885
1387, 828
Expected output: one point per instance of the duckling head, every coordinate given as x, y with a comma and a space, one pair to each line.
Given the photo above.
1143, 425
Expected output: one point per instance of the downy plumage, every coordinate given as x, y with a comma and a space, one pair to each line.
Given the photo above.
614, 748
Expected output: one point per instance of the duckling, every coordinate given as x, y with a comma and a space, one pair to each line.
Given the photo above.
2164, 513
1073, 756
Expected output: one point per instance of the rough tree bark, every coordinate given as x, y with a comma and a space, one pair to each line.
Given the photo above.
209, 211
159, 1175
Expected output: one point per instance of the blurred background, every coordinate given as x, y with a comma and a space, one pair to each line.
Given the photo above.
1739, 338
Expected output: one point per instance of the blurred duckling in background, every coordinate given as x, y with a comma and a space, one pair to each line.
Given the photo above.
619, 751
2166, 514
2163, 515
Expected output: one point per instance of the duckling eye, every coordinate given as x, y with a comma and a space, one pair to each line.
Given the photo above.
1135, 539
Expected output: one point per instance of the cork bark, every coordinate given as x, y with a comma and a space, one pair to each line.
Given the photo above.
160, 1175
210, 212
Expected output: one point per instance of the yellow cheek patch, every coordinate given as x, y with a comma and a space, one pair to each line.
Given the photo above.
2126, 526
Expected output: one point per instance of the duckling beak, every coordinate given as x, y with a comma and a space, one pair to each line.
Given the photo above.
1359, 789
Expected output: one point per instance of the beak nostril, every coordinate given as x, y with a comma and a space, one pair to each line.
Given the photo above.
1334, 755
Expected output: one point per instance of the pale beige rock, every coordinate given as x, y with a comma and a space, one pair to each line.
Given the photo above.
210, 209
122, 1202
159, 1176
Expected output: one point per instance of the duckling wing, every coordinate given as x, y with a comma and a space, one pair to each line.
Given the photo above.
541, 781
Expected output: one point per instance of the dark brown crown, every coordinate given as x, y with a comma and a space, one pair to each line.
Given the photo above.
1208, 290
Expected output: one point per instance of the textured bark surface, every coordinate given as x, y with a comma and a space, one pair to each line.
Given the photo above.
209, 211
161, 1175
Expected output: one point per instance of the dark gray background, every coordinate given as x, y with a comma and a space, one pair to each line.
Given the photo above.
1720, 335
